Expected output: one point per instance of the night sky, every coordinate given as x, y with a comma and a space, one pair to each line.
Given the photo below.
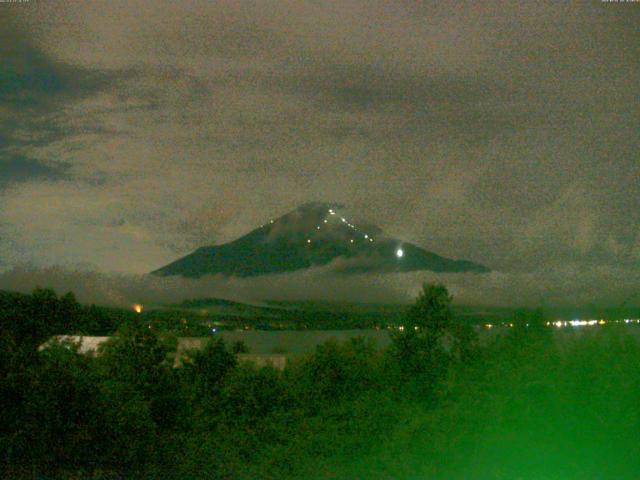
506, 133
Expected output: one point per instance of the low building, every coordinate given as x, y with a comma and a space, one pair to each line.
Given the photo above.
88, 345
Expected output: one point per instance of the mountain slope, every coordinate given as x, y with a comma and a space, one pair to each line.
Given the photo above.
314, 234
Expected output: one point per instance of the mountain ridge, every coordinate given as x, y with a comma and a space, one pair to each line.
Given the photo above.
313, 235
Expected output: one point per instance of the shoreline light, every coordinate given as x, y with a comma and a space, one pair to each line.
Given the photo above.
137, 308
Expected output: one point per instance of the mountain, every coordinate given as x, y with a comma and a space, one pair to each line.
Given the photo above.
314, 234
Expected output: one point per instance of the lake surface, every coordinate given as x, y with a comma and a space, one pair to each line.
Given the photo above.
304, 341
297, 341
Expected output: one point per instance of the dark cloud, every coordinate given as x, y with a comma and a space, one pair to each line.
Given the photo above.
33, 88
23, 169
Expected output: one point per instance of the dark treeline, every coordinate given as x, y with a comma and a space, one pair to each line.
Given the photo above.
64, 315
431, 405
43, 313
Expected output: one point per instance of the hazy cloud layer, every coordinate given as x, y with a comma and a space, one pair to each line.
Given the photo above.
504, 133
566, 286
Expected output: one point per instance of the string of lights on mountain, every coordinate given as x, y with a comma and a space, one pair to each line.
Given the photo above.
332, 214
313, 235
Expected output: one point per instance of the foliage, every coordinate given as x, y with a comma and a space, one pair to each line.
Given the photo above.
432, 405
429, 340
204, 372
337, 370
529, 327
431, 311
239, 347
31, 319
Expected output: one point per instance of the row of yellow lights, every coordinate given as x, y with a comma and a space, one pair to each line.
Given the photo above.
557, 323
573, 323
138, 308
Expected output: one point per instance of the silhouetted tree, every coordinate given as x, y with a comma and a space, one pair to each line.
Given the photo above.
419, 348
431, 311
529, 325
60, 412
206, 370
337, 371
140, 359
69, 313
239, 347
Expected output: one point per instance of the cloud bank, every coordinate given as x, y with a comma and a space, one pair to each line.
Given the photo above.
552, 288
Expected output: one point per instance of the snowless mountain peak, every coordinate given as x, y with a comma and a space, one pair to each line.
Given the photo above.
314, 234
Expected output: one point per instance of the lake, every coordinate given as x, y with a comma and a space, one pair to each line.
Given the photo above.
303, 341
